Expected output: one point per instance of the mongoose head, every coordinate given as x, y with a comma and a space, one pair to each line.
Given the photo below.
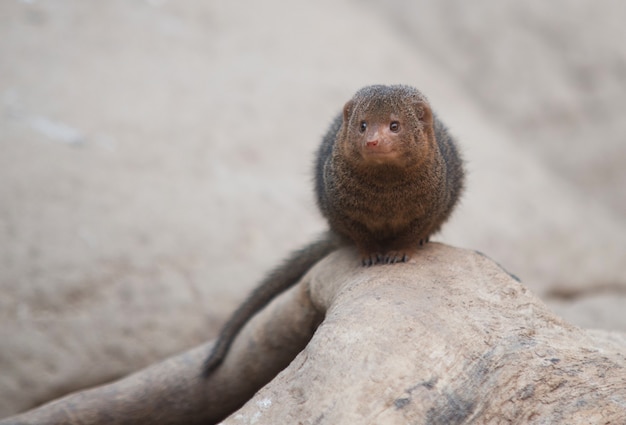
389, 126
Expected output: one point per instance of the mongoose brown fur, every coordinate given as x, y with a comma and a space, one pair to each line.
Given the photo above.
387, 176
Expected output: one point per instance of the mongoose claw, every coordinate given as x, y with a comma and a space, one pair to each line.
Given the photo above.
371, 259
391, 257
394, 257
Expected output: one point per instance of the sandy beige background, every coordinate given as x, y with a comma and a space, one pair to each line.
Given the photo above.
155, 159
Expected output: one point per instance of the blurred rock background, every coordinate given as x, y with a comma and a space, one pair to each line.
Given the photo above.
155, 159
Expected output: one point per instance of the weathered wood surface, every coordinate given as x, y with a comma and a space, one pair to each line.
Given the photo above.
449, 338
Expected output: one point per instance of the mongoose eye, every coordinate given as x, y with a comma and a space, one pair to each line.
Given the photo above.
394, 126
363, 127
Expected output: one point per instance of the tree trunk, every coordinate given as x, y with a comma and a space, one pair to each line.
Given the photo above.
448, 338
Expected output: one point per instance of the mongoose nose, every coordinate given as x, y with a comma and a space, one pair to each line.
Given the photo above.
371, 143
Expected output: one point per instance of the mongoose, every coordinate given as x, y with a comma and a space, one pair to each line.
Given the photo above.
387, 176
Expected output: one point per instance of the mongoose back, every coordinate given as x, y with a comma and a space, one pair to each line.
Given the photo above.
387, 176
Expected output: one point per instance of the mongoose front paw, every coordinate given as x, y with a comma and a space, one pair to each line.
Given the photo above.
370, 259
393, 257
390, 257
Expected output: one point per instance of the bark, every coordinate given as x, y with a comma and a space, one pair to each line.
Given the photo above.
449, 338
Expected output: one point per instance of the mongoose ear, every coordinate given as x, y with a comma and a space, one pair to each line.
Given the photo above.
423, 111
347, 110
